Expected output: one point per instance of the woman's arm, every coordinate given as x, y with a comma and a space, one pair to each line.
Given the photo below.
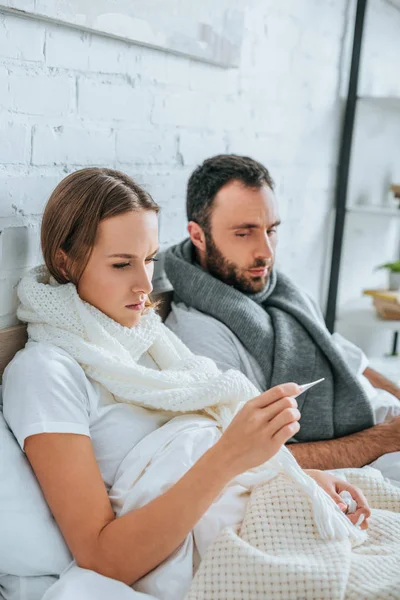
128, 547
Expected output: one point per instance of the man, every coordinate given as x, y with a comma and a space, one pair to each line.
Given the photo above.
232, 305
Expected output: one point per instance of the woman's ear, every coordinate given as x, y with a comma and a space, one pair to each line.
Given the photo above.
62, 263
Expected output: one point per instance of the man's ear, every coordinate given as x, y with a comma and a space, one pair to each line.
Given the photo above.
197, 236
62, 262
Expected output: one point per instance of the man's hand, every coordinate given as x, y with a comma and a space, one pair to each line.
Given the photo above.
334, 486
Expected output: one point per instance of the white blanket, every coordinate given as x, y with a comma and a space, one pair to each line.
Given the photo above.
277, 552
159, 461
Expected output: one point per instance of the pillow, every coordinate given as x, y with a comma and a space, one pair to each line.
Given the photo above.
25, 588
31, 544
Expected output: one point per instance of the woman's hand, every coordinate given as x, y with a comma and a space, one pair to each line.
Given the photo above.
334, 486
260, 428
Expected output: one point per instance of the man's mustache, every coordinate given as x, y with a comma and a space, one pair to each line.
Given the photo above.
261, 264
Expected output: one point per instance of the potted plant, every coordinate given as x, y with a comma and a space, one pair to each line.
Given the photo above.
394, 274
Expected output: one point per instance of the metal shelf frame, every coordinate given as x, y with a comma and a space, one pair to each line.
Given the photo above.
342, 177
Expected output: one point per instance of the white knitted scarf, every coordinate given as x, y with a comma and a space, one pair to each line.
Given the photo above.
109, 353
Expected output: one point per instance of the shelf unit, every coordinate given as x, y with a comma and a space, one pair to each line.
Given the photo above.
371, 209
359, 311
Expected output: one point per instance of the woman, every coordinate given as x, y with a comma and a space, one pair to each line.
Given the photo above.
100, 374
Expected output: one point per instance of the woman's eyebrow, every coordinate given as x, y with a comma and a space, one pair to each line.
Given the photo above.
124, 255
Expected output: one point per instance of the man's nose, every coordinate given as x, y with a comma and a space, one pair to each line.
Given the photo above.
264, 249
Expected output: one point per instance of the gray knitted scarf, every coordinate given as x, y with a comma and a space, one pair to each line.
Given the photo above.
276, 326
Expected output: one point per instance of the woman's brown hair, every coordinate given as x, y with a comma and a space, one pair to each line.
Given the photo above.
74, 210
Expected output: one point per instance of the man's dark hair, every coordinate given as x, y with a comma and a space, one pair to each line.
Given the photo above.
206, 181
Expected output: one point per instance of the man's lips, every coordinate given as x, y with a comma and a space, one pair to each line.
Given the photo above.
259, 272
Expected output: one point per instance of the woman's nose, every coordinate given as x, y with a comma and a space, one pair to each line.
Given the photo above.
143, 283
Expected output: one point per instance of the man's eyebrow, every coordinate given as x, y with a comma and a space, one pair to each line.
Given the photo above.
123, 255
254, 225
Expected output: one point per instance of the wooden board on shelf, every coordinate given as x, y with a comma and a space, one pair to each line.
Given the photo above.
361, 313
386, 309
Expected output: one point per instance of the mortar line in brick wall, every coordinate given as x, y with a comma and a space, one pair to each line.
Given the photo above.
31, 147
44, 45
76, 95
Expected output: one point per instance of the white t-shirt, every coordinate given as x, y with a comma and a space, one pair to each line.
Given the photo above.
46, 390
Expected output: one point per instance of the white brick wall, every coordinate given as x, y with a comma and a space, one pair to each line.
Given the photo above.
70, 99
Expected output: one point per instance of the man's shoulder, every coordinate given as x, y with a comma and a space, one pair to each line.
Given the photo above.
183, 317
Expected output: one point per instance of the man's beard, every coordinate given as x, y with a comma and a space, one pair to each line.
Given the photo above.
225, 270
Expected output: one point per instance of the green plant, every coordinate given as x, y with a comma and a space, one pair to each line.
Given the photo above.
394, 267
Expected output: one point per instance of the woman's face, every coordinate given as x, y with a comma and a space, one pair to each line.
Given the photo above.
117, 278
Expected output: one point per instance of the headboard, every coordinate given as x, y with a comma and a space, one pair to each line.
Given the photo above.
14, 338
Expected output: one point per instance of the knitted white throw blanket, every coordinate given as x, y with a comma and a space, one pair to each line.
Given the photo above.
108, 352
276, 557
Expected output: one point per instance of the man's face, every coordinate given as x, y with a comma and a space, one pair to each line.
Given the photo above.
242, 236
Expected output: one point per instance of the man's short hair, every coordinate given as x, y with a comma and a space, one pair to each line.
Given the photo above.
207, 179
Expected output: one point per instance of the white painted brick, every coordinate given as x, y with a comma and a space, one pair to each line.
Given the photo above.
98, 100
4, 89
148, 64
82, 51
39, 94
14, 143
20, 247
25, 195
8, 294
168, 188
206, 78
21, 39
72, 145
177, 69
230, 112
144, 147
67, 48
184, 109
107, 55
259, 147
172, 227
195, 147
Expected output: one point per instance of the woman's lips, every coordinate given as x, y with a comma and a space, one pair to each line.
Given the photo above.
259, 272
138, 306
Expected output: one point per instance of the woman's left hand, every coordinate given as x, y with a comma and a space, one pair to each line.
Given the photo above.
334, 486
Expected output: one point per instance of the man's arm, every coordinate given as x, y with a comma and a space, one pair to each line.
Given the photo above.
351, 451
380, 382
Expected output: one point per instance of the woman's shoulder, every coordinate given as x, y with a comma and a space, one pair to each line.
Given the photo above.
39, 359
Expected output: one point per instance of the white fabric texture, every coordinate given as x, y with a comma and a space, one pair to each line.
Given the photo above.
31, 544
109, 353
25, 588
271, 549
272, 556
46, 390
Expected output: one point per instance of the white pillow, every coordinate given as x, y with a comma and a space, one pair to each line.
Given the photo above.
30, 542
25, 588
